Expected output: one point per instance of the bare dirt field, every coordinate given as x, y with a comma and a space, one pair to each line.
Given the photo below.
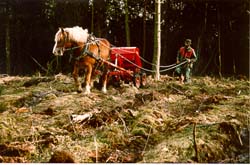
206, 121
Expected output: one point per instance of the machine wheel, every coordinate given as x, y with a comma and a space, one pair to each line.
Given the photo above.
137, 80
115, 81
143, 79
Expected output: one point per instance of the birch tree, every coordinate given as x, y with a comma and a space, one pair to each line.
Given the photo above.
91, 3
144, 37
157, 40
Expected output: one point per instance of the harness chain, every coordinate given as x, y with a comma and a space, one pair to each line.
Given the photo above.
164, 70
86, 52
144, 60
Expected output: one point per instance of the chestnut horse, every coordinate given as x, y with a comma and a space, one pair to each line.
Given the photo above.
88, 53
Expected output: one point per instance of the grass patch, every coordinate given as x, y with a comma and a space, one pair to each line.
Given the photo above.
3, 107
1, 89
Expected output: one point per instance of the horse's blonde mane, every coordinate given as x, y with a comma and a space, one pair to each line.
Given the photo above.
76, 33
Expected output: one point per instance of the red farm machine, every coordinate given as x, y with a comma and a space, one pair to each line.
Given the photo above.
126, 66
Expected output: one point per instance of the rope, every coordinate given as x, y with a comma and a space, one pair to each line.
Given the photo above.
144, 60
166, 66
175, 66
164, 70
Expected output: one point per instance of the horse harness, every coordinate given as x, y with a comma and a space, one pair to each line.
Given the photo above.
85, 51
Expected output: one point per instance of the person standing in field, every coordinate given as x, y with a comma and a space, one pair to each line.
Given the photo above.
185, 53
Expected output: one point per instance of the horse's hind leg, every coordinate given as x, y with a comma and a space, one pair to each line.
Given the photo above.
104, 79
75, 75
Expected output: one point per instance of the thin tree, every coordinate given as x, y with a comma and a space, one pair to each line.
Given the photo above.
219, 39
157, 40
144, 28
91, 3
7, 41
127, 29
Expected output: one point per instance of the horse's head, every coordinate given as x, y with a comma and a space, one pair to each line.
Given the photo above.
69, 37
61, 38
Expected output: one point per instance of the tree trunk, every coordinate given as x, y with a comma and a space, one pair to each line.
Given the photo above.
157, 40
199, 46
7, 44
127, 30
219, 39
92, 16
144, 30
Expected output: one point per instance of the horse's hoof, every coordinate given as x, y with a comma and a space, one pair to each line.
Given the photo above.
104, 90
79, 91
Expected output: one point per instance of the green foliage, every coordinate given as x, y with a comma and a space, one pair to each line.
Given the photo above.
3, 107
1, 89
49, 9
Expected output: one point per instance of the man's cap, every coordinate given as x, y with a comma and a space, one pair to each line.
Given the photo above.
188, 41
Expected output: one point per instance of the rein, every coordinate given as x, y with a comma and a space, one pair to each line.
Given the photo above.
75, 47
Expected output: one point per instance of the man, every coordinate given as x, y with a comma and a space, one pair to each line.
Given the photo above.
185, 53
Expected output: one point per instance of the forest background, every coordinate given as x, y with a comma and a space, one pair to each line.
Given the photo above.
218, 29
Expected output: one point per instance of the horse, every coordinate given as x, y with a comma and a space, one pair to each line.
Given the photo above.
88, 53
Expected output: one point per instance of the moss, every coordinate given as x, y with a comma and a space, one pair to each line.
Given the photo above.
1, 89
3, 107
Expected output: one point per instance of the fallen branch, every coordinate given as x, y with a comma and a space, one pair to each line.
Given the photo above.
146, 141
44, 69
124, 123
195, 144
81, 118
179, 91
72, 124
238, 135
96, 149
182, 127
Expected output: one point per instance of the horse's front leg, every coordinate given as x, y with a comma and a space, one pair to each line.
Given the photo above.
88, 79
75, 75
